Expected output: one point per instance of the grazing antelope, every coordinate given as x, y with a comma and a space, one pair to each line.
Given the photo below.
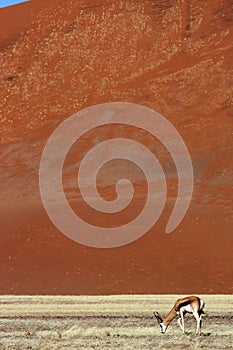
192, 305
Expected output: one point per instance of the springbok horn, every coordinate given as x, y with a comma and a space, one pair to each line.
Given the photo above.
158, 317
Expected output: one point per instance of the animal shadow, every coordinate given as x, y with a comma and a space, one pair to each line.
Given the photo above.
191, 334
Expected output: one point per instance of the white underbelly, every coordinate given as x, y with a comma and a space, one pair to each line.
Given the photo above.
186, 308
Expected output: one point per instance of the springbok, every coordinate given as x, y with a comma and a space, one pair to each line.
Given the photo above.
191, 304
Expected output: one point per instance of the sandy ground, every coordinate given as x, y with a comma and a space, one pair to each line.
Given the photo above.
59, 57
109, 322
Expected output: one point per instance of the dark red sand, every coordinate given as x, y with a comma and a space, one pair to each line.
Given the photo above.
58, 57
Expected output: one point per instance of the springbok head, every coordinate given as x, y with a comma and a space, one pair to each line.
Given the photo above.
160, 322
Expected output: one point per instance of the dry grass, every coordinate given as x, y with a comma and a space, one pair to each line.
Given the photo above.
108, 322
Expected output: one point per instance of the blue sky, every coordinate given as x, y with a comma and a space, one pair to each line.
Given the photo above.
5, 3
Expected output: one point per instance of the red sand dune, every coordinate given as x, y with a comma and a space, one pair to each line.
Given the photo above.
58, 57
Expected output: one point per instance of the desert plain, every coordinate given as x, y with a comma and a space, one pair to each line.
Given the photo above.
109, 322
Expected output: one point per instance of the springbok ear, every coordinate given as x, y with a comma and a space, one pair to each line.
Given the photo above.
160, 317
